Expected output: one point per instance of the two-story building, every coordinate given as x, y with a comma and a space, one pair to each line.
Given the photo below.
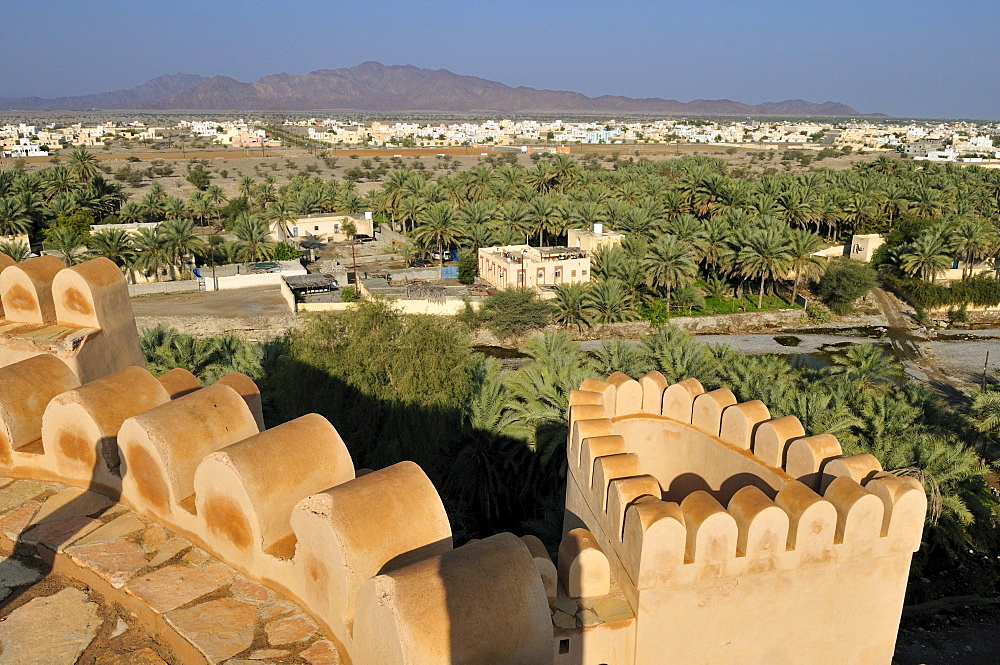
591, 241
521, 266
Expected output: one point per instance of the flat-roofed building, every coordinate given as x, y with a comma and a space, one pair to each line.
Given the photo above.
329, 227
513, 266
590, 241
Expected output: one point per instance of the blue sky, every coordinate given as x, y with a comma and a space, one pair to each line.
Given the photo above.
915, 58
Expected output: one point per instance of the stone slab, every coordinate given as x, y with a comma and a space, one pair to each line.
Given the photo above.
170, 587
123, 525
153, 538
613, 609
290, 629
170, 549
59, 534
14, 521
49, 630
321, 653
18, 492
117, 561
14, 573
71, 502
220, 628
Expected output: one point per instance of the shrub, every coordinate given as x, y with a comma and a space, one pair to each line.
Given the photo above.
467, 269
513, 312
285, 252
844, 281
655, 312
349, 294
818, 313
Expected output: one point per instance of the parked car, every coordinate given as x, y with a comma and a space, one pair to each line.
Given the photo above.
422, 263
363, 237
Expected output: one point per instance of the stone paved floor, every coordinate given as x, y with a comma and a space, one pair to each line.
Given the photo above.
46, 619
50, 620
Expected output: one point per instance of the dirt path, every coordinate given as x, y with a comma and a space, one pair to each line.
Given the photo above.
906, 345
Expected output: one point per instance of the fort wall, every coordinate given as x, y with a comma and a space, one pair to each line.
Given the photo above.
695, 525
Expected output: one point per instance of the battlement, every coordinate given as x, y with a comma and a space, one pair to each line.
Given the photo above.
686, 491
369, 554
80, 315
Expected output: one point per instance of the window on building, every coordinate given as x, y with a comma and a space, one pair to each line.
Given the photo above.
315, 228
572, 273
563, 646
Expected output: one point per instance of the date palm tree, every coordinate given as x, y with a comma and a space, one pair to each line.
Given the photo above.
281, 214
439, 226
802, 245
545, 215
82, 164
16, 250
67, 243
150, 254
973, 240
14, 220
764, 255
571, 304
928, 256
200, 207
669, 263
609, 301
116, 245
179, 241
252, 242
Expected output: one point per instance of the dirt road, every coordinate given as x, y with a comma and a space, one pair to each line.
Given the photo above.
907, 347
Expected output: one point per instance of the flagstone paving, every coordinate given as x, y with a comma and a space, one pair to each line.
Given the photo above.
52, 619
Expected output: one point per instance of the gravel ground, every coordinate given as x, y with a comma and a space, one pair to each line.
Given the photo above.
960, 355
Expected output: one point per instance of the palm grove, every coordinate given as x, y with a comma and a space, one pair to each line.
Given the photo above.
492, 439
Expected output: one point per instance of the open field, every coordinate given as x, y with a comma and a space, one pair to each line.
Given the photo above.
227, 166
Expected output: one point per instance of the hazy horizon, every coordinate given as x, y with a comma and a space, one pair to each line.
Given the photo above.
915, 60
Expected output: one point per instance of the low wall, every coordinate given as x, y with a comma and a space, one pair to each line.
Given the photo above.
447, 307
323, 306
150, 288
726, 322
288, 295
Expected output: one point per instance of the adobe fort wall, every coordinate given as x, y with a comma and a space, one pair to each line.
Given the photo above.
695, 525
370, 555
733, 536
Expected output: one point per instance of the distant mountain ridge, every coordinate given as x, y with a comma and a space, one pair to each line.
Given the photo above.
372, 86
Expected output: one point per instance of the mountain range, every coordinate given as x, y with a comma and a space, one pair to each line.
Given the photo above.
372, 86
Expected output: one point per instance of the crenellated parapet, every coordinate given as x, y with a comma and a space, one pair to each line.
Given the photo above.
368, 554
80, 315
734, 536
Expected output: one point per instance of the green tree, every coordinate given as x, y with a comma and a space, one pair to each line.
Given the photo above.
14, 219
199, 177
15, 249
440, 227
252, 239
802, 246
513, 312
571, 305
766, 255
928, 256
669, 264
844, 282
180, 240
82, 164
67, 243
116, 245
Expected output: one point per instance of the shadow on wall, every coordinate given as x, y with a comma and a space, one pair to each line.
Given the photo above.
489, 482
